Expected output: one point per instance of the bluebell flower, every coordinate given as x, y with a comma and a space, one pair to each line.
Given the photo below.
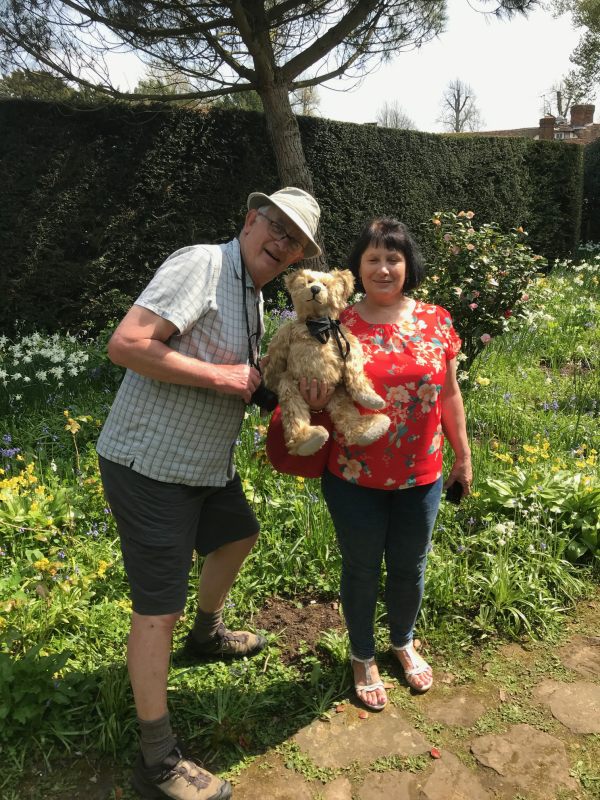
461, 548
506, 396
61, 554
543, 545
7, 438
555, 405
471, 521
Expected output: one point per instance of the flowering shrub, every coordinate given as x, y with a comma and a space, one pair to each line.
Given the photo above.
480, 276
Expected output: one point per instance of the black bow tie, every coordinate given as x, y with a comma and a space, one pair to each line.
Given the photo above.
322, 328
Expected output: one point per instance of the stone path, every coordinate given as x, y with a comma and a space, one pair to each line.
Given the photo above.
525, 727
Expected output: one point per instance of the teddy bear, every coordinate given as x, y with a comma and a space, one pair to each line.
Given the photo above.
317, 345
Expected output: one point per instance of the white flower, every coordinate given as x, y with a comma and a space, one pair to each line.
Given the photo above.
53, 466
3, 375
42, 375
501, 542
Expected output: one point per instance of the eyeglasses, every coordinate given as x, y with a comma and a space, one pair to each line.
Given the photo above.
279, 233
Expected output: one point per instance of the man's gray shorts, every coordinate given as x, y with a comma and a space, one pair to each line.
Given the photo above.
161, 524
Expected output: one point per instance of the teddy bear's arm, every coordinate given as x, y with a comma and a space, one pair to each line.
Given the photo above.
357, 384
277, 356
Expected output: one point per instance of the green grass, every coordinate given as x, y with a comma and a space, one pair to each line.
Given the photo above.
504, 565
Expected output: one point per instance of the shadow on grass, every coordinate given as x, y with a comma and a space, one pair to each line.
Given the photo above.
225, 713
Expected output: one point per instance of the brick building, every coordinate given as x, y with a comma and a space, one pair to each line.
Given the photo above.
580, 129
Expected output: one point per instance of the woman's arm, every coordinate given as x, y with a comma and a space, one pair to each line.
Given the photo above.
455, 429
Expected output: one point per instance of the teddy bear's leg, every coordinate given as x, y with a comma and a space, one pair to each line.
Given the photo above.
301, 438
355, 428
359, 387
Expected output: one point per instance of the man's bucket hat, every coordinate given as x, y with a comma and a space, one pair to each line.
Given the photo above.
299, 206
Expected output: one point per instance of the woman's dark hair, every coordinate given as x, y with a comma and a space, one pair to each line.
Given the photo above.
393, 235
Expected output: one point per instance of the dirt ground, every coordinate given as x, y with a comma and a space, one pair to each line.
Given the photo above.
298, 625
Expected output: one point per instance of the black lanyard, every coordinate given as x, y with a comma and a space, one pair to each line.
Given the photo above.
252, 352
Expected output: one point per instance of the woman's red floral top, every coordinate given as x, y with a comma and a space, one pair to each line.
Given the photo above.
407, 364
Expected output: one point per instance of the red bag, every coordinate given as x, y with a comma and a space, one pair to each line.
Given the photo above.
303, 466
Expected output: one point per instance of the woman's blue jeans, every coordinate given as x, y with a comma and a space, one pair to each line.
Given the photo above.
372, 524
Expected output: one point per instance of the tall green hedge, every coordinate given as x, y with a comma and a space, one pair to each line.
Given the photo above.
92, 200
590, 228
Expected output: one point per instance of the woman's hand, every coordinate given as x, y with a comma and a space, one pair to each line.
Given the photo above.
315, 393
462, 472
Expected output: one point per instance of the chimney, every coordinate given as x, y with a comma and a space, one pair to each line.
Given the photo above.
582, 115
547, 124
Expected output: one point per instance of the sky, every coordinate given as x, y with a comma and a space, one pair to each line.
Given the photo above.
510, 65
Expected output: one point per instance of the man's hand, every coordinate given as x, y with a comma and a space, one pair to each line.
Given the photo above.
239, 379
316, 393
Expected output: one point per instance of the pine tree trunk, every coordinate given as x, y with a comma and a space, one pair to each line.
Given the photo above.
284, 133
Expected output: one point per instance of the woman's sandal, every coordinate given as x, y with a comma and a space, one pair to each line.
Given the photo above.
418, 666
369, 686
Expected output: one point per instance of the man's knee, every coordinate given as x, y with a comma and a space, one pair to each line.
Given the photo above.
159, 622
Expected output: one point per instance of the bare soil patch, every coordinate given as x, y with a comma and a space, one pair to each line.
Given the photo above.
298, 624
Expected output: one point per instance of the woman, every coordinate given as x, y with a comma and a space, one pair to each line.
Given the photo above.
384, 498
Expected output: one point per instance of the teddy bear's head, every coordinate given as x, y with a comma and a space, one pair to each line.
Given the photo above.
319, 294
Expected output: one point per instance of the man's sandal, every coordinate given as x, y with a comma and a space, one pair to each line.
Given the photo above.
418, 666
369, 686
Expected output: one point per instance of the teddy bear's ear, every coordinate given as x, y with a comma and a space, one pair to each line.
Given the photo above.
348, 278
291, 278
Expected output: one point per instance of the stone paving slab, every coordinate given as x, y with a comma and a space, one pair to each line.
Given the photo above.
345, 738
452, 780
532, 761
338, 789
576, 705
460, 708
582, 655
269, 778
393, 784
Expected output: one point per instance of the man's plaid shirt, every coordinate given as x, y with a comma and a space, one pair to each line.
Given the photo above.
184, 434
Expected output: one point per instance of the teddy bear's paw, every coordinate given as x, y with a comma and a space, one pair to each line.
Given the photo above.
372, 401
375, 428
309, 442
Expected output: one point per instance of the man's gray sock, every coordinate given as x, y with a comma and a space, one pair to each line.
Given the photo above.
157, 739
206, 624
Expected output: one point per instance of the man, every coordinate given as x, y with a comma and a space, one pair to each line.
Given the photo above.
190, 346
